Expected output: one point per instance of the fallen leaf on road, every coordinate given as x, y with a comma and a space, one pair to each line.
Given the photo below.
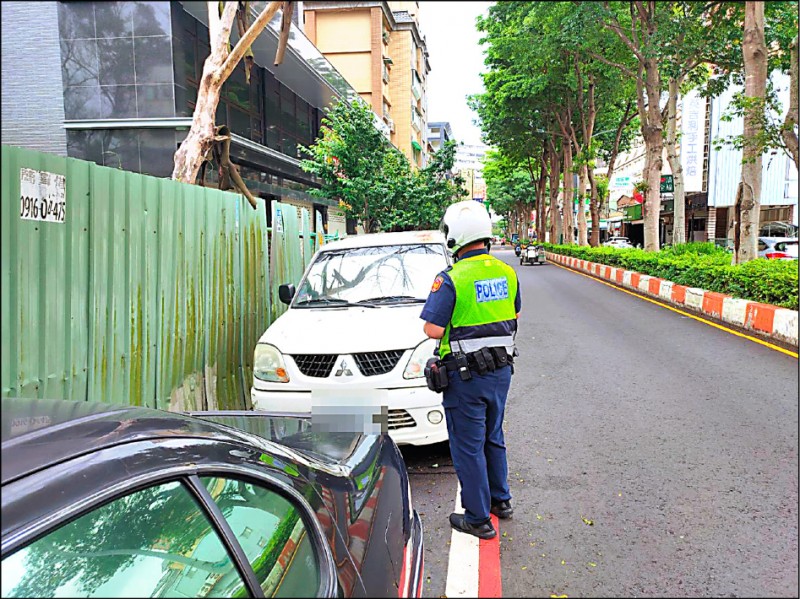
533, 544
524, 567
538, 517
505, 534
559, 596
592, 564
587, 521
619, 494
563, 563
544, 555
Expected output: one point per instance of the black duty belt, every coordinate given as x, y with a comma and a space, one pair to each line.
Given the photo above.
481, 361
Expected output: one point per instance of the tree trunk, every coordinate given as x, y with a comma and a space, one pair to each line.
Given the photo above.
654, 144
569, 226
555, 214
216, 69
789, 124
594, 208
679, 228
582, 228
755, 81
541, 192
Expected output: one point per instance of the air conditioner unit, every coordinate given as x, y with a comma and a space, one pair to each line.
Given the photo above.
389, 122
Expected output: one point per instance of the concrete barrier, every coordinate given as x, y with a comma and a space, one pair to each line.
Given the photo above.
771, 321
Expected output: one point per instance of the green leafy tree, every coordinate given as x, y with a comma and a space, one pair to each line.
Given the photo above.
508, 186
349, 158
373, 181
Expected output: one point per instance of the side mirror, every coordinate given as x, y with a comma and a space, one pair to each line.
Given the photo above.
286, 293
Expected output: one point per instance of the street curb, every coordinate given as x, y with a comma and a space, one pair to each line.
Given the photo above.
766, 319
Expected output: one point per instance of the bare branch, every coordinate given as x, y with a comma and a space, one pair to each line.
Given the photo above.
617, 28
286, 24
248, 38
625, 70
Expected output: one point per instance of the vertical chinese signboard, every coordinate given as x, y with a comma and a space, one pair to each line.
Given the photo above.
693, 119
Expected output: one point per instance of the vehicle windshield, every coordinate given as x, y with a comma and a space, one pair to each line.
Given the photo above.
379, 274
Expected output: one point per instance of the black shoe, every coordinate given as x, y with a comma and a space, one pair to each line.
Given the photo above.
502, 509
482, 531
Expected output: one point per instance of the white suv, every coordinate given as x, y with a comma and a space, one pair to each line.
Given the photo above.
353, 335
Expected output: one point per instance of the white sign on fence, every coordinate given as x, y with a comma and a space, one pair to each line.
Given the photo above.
693, 140
42, 196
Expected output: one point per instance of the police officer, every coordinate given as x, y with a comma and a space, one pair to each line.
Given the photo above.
473, 308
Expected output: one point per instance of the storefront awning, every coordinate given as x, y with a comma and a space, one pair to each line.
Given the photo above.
415, 145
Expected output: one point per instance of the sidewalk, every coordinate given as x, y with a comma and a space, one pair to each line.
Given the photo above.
767, 320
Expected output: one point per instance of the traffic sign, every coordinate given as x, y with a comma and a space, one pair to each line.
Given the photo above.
667, 184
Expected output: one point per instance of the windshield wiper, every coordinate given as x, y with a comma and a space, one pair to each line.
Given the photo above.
404, 299
332, 302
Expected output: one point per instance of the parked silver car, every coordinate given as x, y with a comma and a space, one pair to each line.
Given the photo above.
618, 242
777, 248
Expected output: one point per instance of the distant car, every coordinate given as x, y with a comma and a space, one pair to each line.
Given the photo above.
777, 248
103, 500
618, 242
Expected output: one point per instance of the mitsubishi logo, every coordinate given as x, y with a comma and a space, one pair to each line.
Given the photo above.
343, 369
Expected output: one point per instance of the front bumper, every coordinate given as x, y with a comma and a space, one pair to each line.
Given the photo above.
409, 409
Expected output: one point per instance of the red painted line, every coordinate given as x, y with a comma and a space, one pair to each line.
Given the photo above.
490, 582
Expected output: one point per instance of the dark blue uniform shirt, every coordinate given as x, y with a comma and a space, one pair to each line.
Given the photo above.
438, 308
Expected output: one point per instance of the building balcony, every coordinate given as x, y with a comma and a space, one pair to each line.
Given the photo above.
416, 85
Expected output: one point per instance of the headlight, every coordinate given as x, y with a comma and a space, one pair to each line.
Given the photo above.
268, 364
416, 364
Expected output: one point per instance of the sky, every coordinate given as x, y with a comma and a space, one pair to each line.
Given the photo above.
456, 60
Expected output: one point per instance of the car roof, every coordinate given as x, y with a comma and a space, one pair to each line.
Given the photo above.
37, 433
378, 239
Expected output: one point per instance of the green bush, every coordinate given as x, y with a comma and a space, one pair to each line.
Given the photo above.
701, 265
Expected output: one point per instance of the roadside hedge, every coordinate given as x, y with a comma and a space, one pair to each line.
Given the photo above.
701, 265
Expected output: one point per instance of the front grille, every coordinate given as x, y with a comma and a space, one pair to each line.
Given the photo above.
381, 362
400, 419
318, 365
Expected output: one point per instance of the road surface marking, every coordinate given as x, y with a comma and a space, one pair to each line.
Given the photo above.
473, 567
684, 313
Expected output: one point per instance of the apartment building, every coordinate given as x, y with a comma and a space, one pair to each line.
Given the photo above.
438, 133
379, 48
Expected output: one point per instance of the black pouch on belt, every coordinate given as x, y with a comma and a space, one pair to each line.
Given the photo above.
500, 356
481, 367
436, 375
488, 355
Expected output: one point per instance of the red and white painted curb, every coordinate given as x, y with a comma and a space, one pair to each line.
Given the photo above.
767, 319
473, 569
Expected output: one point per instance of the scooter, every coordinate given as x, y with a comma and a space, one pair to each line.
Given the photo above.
517, 249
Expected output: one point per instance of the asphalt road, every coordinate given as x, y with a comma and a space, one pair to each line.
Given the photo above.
677, 441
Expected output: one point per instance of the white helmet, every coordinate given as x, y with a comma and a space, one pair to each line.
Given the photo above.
465, 222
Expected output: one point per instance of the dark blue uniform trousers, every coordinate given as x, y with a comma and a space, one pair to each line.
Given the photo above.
475, 410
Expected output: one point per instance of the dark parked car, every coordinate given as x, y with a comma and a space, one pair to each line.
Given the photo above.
102, 500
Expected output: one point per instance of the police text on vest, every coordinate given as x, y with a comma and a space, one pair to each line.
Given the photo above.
490, 290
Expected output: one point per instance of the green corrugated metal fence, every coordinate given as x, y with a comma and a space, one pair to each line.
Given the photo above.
151, 292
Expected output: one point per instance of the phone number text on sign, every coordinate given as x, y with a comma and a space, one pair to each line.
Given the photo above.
42, 196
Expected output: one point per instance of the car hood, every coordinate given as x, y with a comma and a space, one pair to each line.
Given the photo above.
346, 330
